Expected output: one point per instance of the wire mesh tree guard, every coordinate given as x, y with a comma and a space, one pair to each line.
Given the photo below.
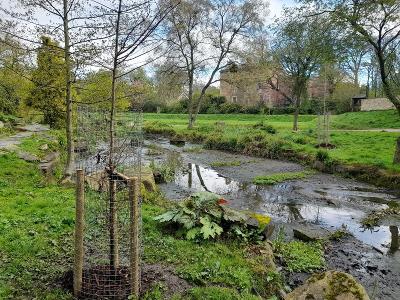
108, 218
323, 124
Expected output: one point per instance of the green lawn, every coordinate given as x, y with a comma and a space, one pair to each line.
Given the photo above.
353, 147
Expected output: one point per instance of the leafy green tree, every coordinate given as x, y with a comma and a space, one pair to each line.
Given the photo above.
14, 89
48, 92
302, 46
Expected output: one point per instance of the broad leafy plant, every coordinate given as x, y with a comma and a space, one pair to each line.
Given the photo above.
206, 216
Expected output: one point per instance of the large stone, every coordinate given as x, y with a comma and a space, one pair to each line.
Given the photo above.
147, 177
27, 156
97, 181
48, 163
309, 234
332, 285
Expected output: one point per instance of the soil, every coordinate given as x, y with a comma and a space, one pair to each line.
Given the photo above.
103, 283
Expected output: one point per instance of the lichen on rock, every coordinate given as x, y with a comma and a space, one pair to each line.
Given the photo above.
330, 285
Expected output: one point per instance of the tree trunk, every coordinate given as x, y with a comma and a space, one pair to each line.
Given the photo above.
296, 116
190, 103
69, 164
396, 159
114, 90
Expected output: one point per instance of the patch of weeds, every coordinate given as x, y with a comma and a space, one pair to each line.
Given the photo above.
322, 155
265, 127
280, 177
299, 256
195, 149
373, 219
233, 163
168, 167
339, 234
156, 293
219, 293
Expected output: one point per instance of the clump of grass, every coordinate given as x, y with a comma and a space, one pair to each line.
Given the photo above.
300, 256
280, 177
232, 163
373, 219
195, 149
265, 127
339, 234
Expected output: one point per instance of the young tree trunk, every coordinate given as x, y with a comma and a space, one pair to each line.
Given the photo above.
396, 159
69, 164
190, 102
296, 115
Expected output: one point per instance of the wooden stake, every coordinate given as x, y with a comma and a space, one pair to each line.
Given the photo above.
79, 231
134, 189
114, 256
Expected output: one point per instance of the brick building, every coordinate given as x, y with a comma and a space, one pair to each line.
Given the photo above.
249, 89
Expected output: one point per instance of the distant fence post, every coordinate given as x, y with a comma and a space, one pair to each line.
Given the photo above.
134, 189
79, 230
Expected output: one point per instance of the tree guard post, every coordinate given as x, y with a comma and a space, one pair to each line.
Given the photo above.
114, 256
134, 188
79, 231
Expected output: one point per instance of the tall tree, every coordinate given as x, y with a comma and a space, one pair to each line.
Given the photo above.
301, 46
64, 22
378, 23
48, 93
201, 36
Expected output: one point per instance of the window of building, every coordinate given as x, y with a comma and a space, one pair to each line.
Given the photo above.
234, 99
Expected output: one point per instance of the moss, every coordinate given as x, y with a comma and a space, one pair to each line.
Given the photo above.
280, 177
341, 283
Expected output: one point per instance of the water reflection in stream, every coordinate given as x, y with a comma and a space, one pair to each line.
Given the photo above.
284, 204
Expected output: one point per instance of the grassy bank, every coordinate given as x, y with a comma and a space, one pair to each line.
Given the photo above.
36, 238
252, 134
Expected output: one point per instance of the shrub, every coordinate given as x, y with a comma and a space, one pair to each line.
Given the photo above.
230, 108
265, 127
322, 155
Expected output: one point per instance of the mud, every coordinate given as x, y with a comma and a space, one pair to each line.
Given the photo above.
327, 201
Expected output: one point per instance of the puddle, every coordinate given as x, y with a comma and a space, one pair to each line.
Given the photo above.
289, 202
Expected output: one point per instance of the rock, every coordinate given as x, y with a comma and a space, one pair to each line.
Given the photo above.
27, 156
48, 163
97, 181
333, 285
147, 178
308, 234
44, 147
51, 157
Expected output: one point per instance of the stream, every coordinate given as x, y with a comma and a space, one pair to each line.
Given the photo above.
321, 200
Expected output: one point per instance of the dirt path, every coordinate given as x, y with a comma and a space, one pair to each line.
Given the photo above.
10, 143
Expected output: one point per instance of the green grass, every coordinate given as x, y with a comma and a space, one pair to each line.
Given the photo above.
280, 177
36, 240
36, 223
299, 256
367, 120
237, 133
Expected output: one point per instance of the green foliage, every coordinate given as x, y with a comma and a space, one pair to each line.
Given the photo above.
48, 93
219, 293
300, 256
204, 215
265, 127
280, 177
168, 167
97, 90
322, 155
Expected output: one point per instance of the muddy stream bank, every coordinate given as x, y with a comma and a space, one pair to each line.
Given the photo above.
320, 201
